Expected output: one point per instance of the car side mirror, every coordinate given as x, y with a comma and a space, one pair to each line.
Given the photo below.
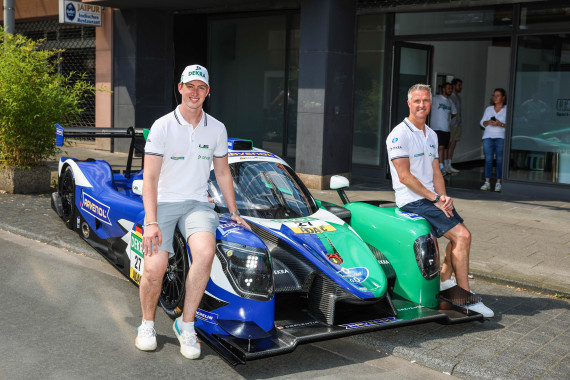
339, 182
137, 186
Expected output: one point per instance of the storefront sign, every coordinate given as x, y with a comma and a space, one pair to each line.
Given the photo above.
76, 12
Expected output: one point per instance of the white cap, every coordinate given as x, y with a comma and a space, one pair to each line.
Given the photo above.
195, 72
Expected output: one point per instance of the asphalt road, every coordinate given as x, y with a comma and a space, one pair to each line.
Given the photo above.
68, 316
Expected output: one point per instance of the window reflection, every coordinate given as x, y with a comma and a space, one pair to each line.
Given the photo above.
540, 148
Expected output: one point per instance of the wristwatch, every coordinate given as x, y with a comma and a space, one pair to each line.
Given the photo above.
235, 213
436, 199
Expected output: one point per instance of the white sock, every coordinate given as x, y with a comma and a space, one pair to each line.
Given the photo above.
440, 165
147, 323
447, 163
187, 326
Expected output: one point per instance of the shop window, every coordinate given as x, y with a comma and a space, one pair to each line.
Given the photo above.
540, 147
544, 17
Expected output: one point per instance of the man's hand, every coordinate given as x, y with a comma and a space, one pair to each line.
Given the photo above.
239, 220
152, 238
445, 204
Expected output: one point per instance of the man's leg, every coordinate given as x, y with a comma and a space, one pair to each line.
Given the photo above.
460, 242
446, 267
151, 283
202, 245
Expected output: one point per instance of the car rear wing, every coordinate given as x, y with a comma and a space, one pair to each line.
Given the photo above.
130, 132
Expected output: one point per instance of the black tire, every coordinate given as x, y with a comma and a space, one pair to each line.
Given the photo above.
174, 281
67, 195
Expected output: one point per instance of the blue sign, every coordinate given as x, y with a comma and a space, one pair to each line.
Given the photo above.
93, 207
70, 11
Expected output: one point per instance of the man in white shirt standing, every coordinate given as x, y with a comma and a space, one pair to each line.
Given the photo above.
420, 189
443, 111
179, 152
455, 128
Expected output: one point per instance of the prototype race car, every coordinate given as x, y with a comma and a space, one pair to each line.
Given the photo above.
309, 270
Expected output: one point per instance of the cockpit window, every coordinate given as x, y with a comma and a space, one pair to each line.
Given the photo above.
265, 190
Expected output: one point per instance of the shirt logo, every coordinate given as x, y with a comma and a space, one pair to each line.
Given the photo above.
394, 139
177, 158
204, 146
443, 106
418, 155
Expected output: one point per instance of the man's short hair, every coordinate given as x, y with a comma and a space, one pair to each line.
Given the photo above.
420, 87
454, 81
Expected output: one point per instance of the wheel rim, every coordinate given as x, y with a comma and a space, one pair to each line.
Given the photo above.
67, 194
172, 292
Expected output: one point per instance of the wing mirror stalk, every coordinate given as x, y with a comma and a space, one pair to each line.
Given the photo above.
339, 183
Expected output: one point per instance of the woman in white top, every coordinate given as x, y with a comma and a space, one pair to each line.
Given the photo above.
493, 121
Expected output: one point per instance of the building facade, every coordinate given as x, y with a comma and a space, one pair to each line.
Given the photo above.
322, 82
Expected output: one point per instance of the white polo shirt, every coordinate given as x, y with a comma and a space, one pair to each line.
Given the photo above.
407, 141
187, 154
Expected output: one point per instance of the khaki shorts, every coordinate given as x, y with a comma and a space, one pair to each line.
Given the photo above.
190, 216
455, 132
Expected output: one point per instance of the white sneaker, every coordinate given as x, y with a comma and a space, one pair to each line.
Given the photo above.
480, 308
189, 345
146, 338
498, 187
444, 285
486, 186
451, 169
443, 172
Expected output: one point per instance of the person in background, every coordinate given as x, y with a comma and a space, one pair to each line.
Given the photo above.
455, 127
443, 111
493, 121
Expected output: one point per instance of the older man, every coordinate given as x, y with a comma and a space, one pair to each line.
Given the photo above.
420, 189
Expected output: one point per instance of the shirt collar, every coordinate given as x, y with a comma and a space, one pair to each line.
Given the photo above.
412, 127
180, 119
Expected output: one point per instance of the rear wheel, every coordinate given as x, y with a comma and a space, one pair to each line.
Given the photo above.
173, 283
67, 195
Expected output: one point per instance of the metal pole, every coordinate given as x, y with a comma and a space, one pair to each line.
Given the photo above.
9, 16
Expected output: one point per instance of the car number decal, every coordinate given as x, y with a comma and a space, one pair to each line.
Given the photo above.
137, 262
309, 226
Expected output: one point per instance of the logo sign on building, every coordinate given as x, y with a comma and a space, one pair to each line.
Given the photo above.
76, 12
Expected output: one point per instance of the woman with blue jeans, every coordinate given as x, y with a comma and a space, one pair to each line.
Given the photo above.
493, 122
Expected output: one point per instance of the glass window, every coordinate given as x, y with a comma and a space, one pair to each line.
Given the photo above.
456, 21
540, 148
536, 17
248, 64
368, 89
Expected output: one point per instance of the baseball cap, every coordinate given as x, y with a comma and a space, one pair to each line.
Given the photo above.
195, 72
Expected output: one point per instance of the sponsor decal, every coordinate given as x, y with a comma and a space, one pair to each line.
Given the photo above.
280, 271
309, 226
418, 155
444, 106
226, 228
252, 154
200, 157
373, 322
410, 308
354, 275
70, 11
95, 208
303, 324
432, 146
206, 316
396, 147
335, 258
197, 72
409, 215
204, 146
176, 158
394, 139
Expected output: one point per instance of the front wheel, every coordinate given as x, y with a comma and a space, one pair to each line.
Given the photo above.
67, 195
173, 283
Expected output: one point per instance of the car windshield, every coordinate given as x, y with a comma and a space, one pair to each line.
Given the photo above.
265, 190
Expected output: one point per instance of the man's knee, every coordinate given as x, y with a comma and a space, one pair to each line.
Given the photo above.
155, 266
202, 246
460, 235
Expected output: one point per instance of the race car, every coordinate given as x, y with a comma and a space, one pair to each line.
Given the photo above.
307, 271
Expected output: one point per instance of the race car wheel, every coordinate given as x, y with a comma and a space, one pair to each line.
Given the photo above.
67, 195
173, 284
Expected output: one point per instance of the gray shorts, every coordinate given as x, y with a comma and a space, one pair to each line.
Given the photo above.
190, 216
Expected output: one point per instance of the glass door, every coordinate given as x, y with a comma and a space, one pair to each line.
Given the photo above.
412, 64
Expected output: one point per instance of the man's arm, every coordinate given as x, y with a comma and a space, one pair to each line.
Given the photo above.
226, 184
439, 187
402, 166
152, 235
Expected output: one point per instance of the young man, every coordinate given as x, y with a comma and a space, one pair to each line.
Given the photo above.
420, 189
179, 151
444, 110
455, 127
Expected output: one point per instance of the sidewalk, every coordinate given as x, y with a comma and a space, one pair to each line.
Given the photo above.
524, 241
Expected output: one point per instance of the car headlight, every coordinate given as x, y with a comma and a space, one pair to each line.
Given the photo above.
427, 256
248, 269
